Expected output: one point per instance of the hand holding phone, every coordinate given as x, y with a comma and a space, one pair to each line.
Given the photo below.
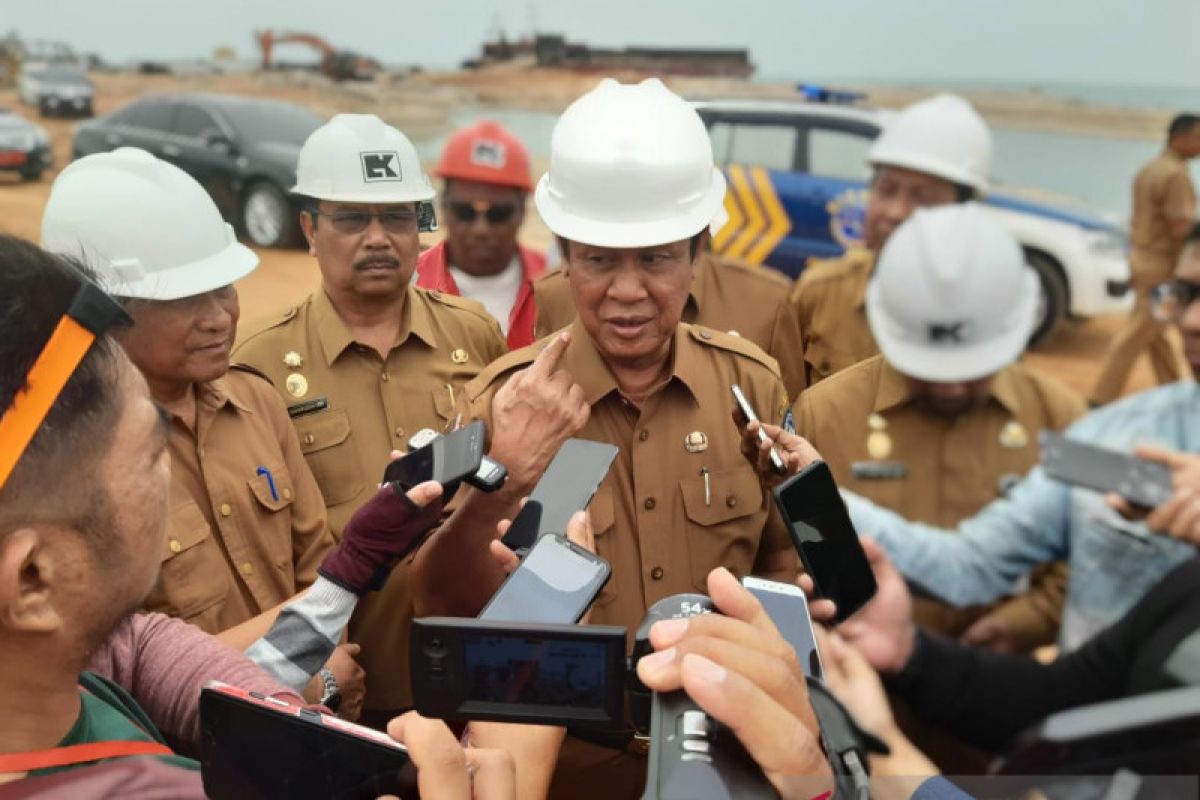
457, 456
787, 607
748, 412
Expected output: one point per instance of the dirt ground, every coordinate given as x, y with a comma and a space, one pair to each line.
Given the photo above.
284, 277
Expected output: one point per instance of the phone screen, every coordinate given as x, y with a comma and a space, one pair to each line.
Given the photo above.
787, 607
447, 459
825, 538
566, 486
556, 582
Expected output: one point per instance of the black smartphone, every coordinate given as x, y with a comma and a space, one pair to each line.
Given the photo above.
751, 416
1143, 483
825, 538
489, 477
567, 486
555, 582
787, 607
447, 459
253, 746
518, 672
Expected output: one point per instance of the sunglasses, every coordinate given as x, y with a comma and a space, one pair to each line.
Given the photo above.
1169, 301
91, 313
350, 222
494, 214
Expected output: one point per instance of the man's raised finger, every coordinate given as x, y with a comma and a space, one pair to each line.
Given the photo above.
546, 363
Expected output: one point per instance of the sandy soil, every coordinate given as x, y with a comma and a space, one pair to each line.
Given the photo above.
424, 102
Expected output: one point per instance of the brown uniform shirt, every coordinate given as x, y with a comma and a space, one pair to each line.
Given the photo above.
726, 295
234, 547
1162, 193
653, 520
351, 408
830, 299
864, 423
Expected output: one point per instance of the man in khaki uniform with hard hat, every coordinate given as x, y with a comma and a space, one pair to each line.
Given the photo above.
247, 527
936, 151
630, 194
368, 360
726, 295
936, 426
1164, 211
486, 170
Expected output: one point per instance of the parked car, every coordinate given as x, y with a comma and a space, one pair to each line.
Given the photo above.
797, 178
24, 147
243, 150
57, 90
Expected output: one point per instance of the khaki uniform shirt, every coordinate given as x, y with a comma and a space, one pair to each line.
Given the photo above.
654, 521
830, 299
1162, 193
350, 408
726, 295
940, 470
234, 547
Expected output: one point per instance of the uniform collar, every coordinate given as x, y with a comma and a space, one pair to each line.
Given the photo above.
335, 336
862, 262
219, 393
699, 289
584, 363
894, 390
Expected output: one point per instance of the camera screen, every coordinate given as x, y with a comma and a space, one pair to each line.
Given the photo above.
529, 671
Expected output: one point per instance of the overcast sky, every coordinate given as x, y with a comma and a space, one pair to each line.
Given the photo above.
1021, 42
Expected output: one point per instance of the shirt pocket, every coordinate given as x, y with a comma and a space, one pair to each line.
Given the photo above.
604, 517
194, 576
719, 532
273, 512
326, 444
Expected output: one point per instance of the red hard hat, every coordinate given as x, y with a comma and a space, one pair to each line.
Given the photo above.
487, 153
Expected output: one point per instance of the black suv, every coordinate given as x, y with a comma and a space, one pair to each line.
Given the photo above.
242, 150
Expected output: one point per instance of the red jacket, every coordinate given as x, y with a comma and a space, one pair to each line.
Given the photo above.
432, 273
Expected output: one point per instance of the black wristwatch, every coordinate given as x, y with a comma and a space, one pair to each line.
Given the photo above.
331, 698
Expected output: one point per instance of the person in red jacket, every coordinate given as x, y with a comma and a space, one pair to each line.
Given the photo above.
486, 170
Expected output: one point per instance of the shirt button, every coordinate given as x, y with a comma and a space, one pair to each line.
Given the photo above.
399, 432
731, 501
656, 573
225, 509
247, 568
287, 494
383, 376
705, 335
650, 504
643, 435
174, 546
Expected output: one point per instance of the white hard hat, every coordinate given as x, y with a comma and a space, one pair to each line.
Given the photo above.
630, 166
146, 227
952, 298
941, 136
358, 158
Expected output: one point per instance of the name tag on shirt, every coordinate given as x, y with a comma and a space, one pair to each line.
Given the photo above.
308, 407
879, 470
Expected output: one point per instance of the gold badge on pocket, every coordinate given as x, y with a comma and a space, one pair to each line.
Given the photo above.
1013, 435
879, 445
695, 442
297, 385
459, 356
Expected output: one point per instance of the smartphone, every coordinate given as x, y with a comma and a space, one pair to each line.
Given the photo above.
748, 412
491, 473
447, 459
787, 607
825, 538
1143, 483
518, 672
555, 582
567, 486
253, 746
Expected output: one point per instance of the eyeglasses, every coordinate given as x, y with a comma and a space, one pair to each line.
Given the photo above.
90, 314
495, 214
1169, 301
350, 222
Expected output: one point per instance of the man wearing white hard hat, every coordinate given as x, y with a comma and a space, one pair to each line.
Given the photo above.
934, 152
946, 418
630, 195
247, 527
368, 359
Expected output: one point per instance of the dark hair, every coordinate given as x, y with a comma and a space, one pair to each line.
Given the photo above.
564, 245
1182, 123
56, 479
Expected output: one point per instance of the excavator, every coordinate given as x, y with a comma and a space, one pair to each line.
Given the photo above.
338, 65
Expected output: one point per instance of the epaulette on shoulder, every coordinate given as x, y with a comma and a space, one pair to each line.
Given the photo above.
287, 316
517, 359
252, 371
734, 344
753, 272
829, 269
454, 301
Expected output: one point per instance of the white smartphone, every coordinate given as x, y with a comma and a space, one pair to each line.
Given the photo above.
787, 607
748, 412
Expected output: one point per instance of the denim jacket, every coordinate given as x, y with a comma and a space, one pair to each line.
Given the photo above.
1113, 561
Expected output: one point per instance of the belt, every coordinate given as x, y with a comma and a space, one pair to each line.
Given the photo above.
626, 741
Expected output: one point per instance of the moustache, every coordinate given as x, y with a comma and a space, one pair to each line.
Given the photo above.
391, 262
